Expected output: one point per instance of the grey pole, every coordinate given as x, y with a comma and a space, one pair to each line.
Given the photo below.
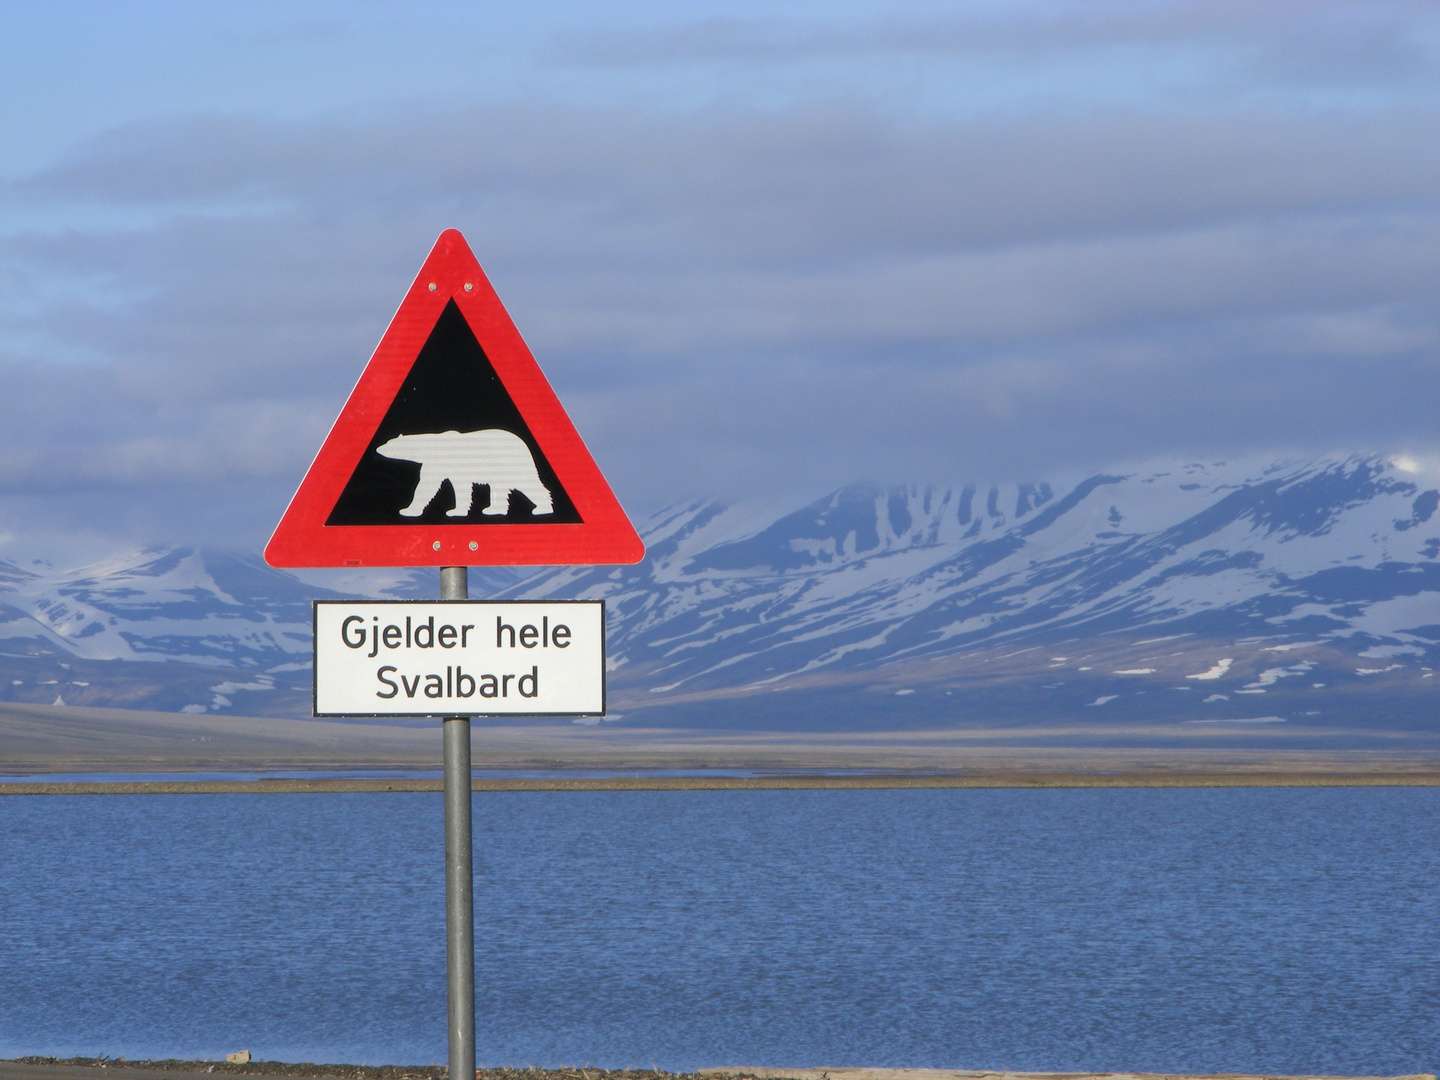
459, 898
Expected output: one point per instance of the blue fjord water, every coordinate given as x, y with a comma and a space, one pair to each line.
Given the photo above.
1277, 930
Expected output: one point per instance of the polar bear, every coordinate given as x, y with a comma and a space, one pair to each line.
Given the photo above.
494, 457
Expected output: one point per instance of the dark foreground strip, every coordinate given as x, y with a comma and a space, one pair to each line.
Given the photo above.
37, 1068
995, 778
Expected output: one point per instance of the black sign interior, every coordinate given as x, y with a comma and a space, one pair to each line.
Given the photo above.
453, 448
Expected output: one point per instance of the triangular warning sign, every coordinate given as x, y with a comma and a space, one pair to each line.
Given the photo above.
452, 449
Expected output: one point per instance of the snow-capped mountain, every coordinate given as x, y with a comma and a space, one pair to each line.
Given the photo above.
1032, 601
171, 604
1189, 592
160, 628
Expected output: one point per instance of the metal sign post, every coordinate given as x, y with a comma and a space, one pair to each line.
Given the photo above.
459, 880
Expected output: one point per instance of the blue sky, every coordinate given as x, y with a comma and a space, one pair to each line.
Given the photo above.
760, 249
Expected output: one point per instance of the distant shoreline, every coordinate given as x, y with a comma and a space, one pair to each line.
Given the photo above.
988, 778
72, 751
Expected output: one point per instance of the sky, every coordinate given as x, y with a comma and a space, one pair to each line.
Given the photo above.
760, 250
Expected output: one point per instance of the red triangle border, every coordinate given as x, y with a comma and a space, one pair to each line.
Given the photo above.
603, 536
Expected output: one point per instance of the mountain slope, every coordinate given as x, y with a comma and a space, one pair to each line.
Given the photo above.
1175, 593
917, 584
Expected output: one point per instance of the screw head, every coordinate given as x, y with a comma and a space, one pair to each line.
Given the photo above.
473, 545
436, 545
432, 286
469, 286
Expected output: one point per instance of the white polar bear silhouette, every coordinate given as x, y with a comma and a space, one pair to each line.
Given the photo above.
494, 457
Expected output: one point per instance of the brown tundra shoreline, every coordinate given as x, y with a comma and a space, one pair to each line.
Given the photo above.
48, 1068
991, 778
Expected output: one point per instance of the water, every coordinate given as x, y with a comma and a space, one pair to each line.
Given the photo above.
1275, 930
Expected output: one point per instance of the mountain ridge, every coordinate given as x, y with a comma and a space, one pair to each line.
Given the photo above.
817, 615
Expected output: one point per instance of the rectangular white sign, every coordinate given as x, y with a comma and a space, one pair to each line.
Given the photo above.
460, 658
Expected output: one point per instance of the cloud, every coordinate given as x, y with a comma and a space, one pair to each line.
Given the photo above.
850, 177
1323, 41
820, 227
728, 298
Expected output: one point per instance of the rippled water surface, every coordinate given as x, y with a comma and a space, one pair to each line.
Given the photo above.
1279, 930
